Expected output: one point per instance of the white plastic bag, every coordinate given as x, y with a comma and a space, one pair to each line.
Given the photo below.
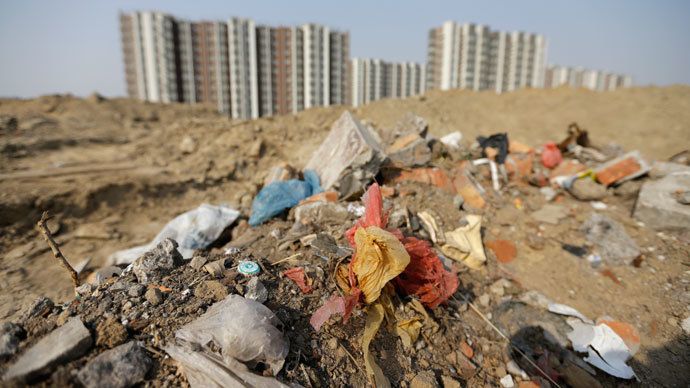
245, 330
195, 229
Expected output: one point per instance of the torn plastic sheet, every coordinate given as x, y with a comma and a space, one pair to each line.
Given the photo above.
300, 278
334, 305
195, 229
204, 369
606, 350
375, 314
452, 139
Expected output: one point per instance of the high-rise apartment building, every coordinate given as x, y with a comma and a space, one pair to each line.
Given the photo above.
471, 56
578, 77
374, 79
246, 70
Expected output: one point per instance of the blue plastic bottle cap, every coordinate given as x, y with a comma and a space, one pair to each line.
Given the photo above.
248, 268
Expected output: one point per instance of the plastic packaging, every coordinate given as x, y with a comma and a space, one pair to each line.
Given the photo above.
278, 196
244, 330
195, 229
551, 155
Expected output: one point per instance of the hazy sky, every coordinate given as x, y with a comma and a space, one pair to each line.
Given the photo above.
52, 46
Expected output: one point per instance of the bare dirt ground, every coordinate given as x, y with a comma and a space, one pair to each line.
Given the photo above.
115, 171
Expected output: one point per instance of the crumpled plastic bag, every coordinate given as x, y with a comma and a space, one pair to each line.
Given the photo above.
278, 196
605, 348
195, 229
408, 330
375, 315
551, 155
380, 257
464, 244
425, 276
300, 278
244, 330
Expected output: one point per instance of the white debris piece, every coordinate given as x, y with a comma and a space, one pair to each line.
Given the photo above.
563, 309
195, 229
606, 350
452, 139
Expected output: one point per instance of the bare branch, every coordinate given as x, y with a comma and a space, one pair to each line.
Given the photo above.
43, 228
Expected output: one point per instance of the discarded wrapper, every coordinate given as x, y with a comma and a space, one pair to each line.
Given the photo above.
464, 244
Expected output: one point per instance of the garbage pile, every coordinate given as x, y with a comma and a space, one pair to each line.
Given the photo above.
374, 265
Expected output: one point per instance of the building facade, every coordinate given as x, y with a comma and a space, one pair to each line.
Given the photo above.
374, 79
472, 56
246, 71
577, 77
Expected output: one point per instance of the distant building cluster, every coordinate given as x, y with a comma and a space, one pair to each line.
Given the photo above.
471, 56
577, 77
374, 79
246, 70
250, 71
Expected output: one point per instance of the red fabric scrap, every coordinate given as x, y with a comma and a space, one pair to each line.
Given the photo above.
298, 276
425, 276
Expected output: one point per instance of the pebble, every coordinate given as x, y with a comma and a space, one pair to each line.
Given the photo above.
158, 261
672, 321
256, 290
154, 296
507, 381
136, 290
484, 299
197, 262
685, 324
424, 379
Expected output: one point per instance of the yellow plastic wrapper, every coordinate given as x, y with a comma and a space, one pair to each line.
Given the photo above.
464, 244
375, 313
380, 258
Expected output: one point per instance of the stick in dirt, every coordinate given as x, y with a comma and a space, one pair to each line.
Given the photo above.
43, 228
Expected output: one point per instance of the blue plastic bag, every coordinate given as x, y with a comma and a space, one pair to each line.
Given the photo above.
276, 197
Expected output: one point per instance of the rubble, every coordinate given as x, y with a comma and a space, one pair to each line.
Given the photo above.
120, 367
64, 344
587, 190
656, 205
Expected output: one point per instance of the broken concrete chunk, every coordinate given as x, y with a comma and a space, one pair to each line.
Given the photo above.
411, 123
610, 239
349, 157
657, 205
409, 151
63, 344
120, 367
10, 337
158, 261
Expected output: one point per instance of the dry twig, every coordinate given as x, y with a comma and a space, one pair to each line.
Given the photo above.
43, 228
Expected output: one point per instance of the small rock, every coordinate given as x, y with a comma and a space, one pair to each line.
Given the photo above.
62, 345
507, 381
154, 296
548, 192
10, 337
158, 261
197, 262
256, 290
628, 190
424, 379
587, 190
136, 290
515, 370
103, 274
449, 382
40, 307
498, 287
211, 289
683, 197
84, 290
458, 201
120, 367
536, 241
110, 333
484, 299
188, 145
685, 324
